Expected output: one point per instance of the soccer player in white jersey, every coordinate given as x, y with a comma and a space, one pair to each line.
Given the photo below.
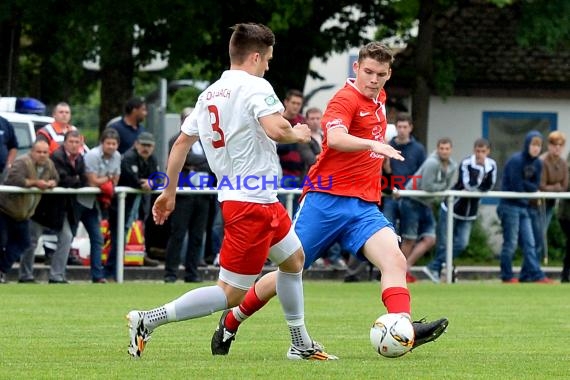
238, 119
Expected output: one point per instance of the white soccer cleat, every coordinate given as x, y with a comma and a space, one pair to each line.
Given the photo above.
138, 333
317, 352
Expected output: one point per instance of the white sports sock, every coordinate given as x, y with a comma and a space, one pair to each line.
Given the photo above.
155, 317
290, 292
193, 304
198, 303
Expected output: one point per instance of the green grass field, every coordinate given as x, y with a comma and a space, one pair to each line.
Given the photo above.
79, 331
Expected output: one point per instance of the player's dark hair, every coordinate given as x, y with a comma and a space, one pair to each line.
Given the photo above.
249, 38
377, 51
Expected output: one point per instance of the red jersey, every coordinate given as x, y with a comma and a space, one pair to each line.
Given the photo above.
351, 174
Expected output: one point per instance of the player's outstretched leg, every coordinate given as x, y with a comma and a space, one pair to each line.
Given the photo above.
426, 332
138, 333
223, 337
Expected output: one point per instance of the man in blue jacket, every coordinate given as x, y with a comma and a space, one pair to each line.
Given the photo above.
521, 174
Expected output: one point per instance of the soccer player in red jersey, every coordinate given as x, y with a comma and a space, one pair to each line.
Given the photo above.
341, 197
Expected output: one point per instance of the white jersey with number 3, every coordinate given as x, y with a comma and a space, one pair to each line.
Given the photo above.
238, 150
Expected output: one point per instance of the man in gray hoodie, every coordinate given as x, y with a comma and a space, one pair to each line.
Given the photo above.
417, 224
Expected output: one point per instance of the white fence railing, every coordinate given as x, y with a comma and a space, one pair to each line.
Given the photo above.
449, 195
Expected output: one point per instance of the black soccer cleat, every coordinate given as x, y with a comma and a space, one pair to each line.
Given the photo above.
426, 332
222, 338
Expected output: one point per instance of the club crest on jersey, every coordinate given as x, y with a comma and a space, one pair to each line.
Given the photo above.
271, 100
377, 134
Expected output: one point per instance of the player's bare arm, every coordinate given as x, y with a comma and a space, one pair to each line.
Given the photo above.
278, 129
339, 139
164, 204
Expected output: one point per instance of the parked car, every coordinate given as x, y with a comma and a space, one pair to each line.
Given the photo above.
25, 127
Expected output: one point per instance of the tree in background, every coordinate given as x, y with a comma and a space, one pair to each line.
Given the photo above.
59, 36
43, 46
542, 25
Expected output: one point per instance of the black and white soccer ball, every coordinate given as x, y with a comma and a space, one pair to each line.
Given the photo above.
392, 335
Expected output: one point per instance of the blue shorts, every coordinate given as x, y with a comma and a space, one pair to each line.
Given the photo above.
323, 219
416, 220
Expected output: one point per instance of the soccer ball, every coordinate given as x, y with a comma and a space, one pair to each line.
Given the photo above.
392, 335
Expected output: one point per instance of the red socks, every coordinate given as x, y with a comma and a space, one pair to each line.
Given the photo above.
397, 300
250, 304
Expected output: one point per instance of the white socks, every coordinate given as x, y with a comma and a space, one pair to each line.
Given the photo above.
193, 304
289, 288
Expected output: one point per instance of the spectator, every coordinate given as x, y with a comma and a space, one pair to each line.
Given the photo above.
102, 168
314, 116
399, 172
137, 166
32, 170
477, 172
417, 222
554, 178
564, 219
294, 158
8, 146
189, 218
334, 256
521, 174
129, 127
54, 133
57, 211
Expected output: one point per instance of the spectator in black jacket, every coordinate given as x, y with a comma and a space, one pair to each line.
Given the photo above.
8, 145
137, 165
189, 218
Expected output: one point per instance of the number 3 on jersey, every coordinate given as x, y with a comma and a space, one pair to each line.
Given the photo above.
215, 122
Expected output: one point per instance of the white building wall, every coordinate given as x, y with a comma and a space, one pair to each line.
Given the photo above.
461, 118
334, 71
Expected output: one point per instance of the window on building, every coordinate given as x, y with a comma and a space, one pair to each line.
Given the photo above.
507, 130
351, 59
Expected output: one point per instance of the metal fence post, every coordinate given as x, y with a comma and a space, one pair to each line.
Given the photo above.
121, 196
289, 202
449, 240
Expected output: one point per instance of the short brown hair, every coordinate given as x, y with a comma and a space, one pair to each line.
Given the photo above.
312, 110
482, 143
557, 137
404, 116
443, 141
109, 134
377, 51
249, 38
294, 93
